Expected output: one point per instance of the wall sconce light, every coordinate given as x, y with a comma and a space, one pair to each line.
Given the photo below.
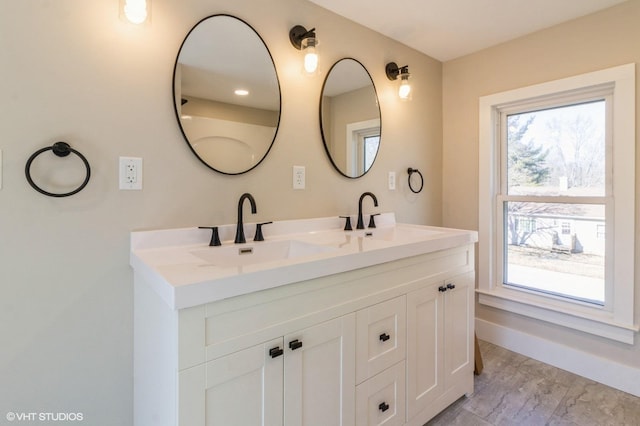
393, 72
136, 11
306, 41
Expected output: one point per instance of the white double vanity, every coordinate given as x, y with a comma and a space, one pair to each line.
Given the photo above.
313, 326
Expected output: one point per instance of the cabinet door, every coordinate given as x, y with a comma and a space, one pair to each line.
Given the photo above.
380, 337
458, 326
425, 381
320, 374
244, 388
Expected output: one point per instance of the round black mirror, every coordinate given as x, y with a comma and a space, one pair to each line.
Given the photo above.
350, 118
226, 94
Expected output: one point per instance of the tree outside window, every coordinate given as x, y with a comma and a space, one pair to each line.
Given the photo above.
554, 154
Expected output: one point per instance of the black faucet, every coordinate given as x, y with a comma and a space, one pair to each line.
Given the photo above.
360, 224
240, 226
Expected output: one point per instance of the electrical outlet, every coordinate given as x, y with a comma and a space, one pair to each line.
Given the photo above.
392, 181
130, 175
298, 177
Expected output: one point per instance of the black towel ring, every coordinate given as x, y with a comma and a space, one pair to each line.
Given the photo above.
412, 171
61, 149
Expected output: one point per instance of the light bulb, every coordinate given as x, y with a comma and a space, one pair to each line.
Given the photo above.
404, 91
135, 11
310, 62
310, 55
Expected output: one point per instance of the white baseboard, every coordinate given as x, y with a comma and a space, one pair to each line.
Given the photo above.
601, 370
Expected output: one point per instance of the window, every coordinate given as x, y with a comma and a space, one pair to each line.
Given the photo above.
552, 178
554, 166
363, 140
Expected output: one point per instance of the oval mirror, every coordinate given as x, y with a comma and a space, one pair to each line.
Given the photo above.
350, 118
226, 94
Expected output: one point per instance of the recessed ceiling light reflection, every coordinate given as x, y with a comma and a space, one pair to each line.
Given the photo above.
241, 92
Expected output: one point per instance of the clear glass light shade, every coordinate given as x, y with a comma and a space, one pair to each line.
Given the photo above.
136, 11
309, 47
404, 91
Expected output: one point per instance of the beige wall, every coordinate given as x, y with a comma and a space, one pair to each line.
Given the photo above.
71, 70
598, 41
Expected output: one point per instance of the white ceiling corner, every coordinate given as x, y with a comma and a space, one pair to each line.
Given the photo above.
448, 29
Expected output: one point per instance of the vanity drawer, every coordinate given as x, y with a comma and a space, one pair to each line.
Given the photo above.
381, 399
381, 337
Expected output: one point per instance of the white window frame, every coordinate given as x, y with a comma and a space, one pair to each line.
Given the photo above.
615, 320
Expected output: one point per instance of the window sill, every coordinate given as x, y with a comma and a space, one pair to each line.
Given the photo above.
592, 320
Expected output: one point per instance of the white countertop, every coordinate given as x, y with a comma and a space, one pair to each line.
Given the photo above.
178, 263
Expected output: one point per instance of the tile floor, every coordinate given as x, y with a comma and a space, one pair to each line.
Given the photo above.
514, 390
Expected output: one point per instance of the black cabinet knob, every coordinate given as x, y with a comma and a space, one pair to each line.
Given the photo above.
275, 352
383, 406
451, 286
384, 337
442, 289
295, 344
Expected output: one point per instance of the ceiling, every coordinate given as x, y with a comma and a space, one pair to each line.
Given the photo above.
448, 29
211, 67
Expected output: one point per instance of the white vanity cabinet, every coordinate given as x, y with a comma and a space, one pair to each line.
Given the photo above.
373, 345
319, 381
302, 378
440, 345
243, 388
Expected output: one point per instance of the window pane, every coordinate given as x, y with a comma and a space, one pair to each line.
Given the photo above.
556, 249
557, 151
371, 144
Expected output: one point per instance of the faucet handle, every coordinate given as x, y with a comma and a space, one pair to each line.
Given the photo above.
347, 224
372, 222
215, 237
259, 236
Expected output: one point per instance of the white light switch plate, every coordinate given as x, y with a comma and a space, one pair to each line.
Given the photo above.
130, 175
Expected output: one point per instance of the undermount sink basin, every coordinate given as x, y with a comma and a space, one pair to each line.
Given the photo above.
253, 253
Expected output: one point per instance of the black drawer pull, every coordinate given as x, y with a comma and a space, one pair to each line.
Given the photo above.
275, 352
442, 289
383, 407
451, 286
384, 337
295, 344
